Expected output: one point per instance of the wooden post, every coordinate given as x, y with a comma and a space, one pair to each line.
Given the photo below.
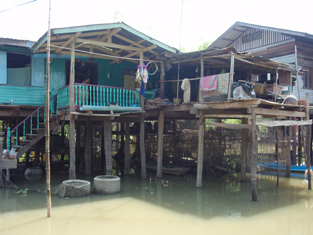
162, 78
276, 84
254, 156
200, 150
201, 76
294, 144
160, 144
308, 144
1, 157
108, 145
244, 146
142, 147
286, 147
297, 72
127, 150
142, 133
88, 139
72, 170
231, 75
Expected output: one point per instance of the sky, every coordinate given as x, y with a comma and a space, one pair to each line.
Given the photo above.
184, 24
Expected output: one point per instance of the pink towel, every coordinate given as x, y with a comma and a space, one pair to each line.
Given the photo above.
209, 83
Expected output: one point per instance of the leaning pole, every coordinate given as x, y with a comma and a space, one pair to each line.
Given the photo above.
47, 130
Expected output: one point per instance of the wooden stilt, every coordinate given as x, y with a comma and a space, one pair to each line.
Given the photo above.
200, 150
244, 147
308, 144
287, 150
108, 146
294, 144
127, 150
254, 156
160, 144
142, 147
72, 170
88, 137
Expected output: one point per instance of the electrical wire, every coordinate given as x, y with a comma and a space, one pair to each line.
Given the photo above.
21, 4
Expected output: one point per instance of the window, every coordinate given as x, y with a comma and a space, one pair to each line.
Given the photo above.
18, 69
307, 81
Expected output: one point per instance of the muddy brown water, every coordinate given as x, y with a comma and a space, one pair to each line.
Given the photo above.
172, 205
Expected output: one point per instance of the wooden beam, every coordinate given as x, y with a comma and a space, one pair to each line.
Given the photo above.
275, 113
67, 42
160, 144
230, 126
228, 105
200, 150
272, 123
111, 45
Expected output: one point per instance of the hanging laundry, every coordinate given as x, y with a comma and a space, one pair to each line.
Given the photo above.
185, 86
223, 81
142, 88
142, 73
208, 83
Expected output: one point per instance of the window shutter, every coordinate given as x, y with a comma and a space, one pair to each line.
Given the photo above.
3, 67
38, 75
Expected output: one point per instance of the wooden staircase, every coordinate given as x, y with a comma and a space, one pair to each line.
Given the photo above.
30, 130
32, 139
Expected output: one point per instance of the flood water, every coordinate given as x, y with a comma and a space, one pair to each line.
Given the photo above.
172, 205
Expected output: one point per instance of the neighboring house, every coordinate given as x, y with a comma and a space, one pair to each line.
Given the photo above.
281, 45
21, 73
23, 63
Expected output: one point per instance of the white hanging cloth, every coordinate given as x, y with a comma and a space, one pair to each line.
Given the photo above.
185, 86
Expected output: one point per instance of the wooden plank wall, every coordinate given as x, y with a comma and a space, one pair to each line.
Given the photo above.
22, 95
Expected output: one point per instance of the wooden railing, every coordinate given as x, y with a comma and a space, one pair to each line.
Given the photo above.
96, 95
30, 124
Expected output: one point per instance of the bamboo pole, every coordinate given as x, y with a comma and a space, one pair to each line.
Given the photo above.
72, 170
200, 150
47, 128
160, 144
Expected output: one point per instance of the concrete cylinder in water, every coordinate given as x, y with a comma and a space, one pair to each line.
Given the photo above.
74, 188
107, 184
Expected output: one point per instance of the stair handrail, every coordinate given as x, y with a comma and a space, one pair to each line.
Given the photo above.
31, 114
23, 122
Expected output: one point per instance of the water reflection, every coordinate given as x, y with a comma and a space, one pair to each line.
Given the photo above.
221, 199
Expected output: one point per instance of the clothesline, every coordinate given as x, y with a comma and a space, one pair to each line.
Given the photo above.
180, 80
